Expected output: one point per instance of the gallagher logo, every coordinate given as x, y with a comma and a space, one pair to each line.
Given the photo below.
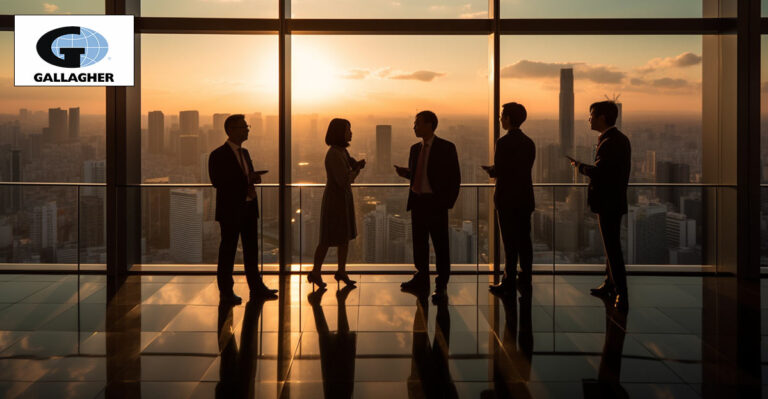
72, 47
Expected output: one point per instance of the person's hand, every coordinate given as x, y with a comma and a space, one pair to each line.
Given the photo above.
361, 164
401, 171
487, 168
255, 178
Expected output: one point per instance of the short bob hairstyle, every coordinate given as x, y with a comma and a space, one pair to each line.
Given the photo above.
337, 132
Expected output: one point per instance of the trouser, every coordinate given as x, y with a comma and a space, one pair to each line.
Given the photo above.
615, 270
429, 218
515, 229
245, 228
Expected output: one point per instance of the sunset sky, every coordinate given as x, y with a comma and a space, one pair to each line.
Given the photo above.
389, 75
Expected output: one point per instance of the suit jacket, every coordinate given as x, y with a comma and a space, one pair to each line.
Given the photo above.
512, 164
609, 176
443, 171
231, 184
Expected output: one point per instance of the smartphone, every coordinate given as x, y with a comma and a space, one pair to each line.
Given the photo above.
570, 158
260, 172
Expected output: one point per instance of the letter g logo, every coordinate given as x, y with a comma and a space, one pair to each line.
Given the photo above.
72, 47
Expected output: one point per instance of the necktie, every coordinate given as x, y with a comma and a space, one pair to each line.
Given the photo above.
420, 169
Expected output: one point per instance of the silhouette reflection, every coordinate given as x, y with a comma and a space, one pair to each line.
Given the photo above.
512, 359
430, 375
608, 383
337, 349
237, 371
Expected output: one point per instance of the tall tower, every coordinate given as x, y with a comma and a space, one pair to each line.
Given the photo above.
57, 125
566, 111
74, 123
186, 225
189, 122
156, 121
383, 148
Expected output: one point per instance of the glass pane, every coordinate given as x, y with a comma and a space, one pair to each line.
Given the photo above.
210, 8
52, 7
764, 147
601, 9
655, 79
418, 9
184, 105
381, 93
49, 134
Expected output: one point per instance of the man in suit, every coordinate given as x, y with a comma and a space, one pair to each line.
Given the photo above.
237, 211
513, 197
607, 195
433, 170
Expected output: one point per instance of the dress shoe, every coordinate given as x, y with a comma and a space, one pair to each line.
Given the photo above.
315, 297
343, 276
263, 293
603, 290
441, 292
230, 299
621, 303
316, 278
416, 284
505, 287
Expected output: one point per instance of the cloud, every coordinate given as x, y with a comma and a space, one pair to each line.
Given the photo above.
48, 7
395, 4
424, 76
436, 8
679, 61
356, 74
526, 69
474, 15
661, 83
383, 72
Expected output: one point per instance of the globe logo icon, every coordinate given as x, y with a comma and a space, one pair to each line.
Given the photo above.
94, 43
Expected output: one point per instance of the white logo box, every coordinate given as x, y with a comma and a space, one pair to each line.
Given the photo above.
32, 70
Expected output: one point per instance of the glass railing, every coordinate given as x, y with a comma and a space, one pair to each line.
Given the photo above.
663, 231
53, 226
63, 226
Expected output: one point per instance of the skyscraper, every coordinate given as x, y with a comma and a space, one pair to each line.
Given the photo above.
188, 149
156, 131
566, 111
13, 203
186, 214
45, 229
383, 148
57, 125
74, 123
189, 122
218, 122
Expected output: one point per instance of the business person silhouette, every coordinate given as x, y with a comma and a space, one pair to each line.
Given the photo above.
433, 171
337, 349
430, 375
337, 214
512, 359
237, 211
513, 197
237, 368
607, 195
608, 383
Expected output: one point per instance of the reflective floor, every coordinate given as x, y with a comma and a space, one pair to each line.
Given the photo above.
167, 337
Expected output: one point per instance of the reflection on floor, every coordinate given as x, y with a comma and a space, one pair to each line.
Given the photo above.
166, 336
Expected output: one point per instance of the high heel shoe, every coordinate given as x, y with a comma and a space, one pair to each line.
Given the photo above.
343, 276
316, 279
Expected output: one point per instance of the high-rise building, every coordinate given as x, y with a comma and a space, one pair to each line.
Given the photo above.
566, 111
57, 125
94, 172
681, 231
156, 214
45, 229
400, 241
647, 234
156, 121
189, 122
218, 122
383, 149
186, 225
188, 149
92, 223
375, 228
74, 123
12, 201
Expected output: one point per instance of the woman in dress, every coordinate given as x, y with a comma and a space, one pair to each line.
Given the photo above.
337, 215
